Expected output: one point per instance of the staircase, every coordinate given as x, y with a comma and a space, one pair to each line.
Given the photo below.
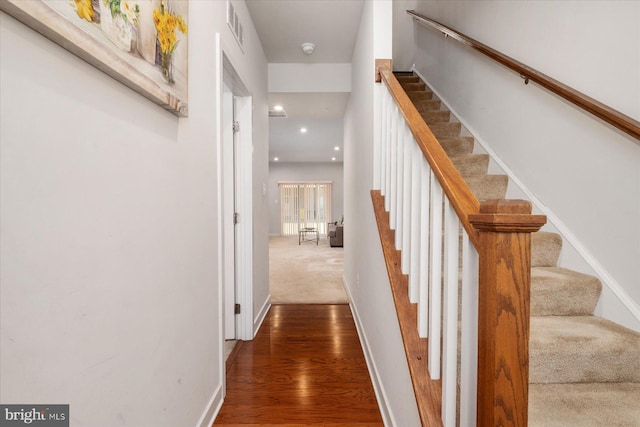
584, 370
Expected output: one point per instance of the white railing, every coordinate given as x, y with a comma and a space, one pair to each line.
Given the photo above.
443, 277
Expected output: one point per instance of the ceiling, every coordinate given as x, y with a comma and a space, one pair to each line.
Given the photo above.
283, 25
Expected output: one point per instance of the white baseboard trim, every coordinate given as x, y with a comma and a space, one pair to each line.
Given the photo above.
381, 396
213, 407
257, 322
607, 279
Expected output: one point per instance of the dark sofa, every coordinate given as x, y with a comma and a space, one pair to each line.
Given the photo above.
335, 235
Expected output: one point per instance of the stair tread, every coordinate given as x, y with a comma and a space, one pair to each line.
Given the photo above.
584, 405
435, 116
488, 187
421, 95
557, 291
408, 78
413, 86
471, 164
447, 129
424, 105
545, 249
564, 349
460, 145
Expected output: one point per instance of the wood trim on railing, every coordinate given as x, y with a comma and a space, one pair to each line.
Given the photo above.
461, 197
598, 109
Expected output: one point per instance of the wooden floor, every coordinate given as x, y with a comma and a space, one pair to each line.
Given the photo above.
305, 367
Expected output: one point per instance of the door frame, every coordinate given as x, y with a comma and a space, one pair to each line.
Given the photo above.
243, 258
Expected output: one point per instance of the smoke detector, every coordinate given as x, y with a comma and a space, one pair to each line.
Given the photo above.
308, 48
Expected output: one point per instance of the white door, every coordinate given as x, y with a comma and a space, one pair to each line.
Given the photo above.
236, 162
228, 179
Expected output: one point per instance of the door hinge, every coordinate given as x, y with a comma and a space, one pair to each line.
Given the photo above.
236, 127
237, 309
236, 218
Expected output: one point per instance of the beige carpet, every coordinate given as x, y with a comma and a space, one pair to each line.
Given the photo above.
305, 274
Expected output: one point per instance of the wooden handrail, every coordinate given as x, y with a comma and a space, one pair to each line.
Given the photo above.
598, 109
460, 195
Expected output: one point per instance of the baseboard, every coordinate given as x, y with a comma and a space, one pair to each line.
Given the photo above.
381, 396
212, 409
257, 322
605, 277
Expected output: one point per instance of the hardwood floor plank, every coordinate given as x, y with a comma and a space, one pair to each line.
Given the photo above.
304, 368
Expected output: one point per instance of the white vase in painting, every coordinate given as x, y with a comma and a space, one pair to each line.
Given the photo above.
116, 28
147, 30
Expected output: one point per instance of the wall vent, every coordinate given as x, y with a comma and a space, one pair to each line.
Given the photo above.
234, 23
282, 114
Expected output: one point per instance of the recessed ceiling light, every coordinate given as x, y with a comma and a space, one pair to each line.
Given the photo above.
303, 130
278, 107
275, 159
336, 148
333, 158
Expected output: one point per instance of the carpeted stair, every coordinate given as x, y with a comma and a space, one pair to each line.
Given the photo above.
584, 370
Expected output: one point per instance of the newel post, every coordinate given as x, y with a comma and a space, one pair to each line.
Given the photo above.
504, 231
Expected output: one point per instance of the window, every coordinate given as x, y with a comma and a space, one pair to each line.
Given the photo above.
304, 205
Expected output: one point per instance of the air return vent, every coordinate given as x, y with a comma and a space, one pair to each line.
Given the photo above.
233, 20
282, 114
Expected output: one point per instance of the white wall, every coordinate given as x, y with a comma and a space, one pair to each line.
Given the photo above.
584, 171
365, 272
109, 292
297, 171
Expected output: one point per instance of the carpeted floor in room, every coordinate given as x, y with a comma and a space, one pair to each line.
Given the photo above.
306, 273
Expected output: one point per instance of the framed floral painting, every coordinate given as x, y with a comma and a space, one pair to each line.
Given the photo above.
141, 43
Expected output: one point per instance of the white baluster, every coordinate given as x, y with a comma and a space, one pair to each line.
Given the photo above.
377, 138
435, 278
400, 182
450, 317
425, 259
416, 188
394, 162
406, 202
381, 164
469, 338
385, 150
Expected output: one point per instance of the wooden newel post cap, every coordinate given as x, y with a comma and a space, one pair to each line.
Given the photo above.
507, 216
386, 63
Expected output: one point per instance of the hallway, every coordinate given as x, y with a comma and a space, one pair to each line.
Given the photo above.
305, 367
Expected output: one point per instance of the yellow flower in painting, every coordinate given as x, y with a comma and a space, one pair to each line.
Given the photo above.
156, 17
84, 9
182, 26
166, 23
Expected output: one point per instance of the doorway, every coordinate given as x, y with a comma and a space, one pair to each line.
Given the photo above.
235, 163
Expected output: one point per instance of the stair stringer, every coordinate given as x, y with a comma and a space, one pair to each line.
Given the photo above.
615, 303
